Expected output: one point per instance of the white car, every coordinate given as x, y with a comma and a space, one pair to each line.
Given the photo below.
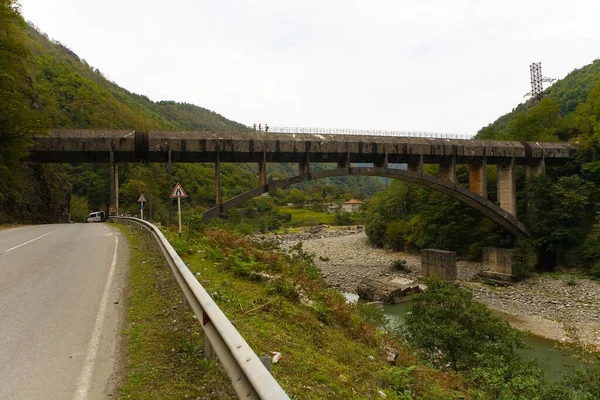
98, 216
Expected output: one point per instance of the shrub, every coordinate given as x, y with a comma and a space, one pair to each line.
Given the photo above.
595, 271
395, 235
452, 330
342, 218
375, 228
401, 265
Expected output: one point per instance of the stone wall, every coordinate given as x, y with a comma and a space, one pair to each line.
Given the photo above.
440, 263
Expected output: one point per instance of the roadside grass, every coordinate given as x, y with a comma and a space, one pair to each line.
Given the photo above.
279, 303
306, 217
164, 340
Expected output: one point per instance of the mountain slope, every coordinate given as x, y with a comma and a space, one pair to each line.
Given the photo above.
75, 95
566, 93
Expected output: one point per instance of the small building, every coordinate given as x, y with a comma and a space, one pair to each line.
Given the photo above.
333, 208
351, 206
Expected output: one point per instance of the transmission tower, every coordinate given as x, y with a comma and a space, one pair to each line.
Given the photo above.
536, 80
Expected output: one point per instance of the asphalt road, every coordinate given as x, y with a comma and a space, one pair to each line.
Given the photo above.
61, 308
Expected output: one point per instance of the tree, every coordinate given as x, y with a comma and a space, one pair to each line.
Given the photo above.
452, 330
296, 197
558, 214
20, 115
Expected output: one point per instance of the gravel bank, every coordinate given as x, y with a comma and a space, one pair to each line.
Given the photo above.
539, 304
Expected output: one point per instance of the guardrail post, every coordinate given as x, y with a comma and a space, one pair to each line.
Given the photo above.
184, 300
209, 352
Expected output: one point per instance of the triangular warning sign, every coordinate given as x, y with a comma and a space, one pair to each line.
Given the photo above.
141, 199
178, 192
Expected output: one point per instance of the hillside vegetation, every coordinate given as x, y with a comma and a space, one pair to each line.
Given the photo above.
566, 93
45, 85
560, 208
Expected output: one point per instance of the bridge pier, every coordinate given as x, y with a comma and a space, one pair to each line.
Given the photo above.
478, 178
381, 161
113, 179
416, 164
218, 197
507, 187
344, 160
262, 170
536, 168
448, 170
304, 165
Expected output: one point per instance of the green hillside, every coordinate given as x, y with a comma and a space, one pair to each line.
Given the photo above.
73, 94
560, 208
560, 100
46, 85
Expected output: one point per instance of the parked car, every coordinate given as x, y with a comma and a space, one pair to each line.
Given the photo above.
98, 216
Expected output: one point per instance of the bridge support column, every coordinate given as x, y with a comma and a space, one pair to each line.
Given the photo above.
507, 187
344, 161
478, 178
113, 178
448, 170
536, 168
218, 198
262, 170
416, 165
382, 162
304, 166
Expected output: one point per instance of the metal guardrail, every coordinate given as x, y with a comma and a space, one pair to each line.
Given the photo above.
249, 377
367, 132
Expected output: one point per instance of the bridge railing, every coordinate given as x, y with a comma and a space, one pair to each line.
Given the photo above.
249, 377
366, 132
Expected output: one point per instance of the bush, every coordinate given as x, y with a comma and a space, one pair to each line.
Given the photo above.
595, 271
343, 218
401, 265
395, 235
452, 330
375, 228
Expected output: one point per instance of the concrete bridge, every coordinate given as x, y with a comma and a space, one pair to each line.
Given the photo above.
101, 146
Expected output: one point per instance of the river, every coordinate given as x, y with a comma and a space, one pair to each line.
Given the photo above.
554, 362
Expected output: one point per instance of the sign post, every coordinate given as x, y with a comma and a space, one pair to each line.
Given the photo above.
178, 193
141, 200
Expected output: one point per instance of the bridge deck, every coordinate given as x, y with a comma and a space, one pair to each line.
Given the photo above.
87, 146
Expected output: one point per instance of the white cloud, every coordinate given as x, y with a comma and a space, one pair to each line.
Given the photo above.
406, 65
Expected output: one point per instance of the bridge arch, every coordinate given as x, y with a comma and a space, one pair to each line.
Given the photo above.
484, 206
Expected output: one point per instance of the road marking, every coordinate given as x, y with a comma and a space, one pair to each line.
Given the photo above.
85, 379
29, 241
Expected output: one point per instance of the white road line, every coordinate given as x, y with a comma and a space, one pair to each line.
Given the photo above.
29, 241
85, 379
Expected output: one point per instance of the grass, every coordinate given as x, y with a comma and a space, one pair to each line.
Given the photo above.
325, 346
305, 217
164, 341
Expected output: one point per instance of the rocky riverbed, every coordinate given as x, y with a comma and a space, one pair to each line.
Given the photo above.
540, 304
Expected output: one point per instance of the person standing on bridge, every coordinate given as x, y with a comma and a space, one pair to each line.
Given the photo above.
266, 128
254, 126
260, 127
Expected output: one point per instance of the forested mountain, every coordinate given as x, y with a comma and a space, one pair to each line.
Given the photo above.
44, 85
560, 100
560, 207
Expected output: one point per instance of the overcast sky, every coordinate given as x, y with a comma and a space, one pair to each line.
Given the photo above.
441, 66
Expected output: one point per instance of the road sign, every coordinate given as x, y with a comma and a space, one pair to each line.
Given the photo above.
141, 199
178, 192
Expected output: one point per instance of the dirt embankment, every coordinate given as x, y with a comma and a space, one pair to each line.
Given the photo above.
540, 304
